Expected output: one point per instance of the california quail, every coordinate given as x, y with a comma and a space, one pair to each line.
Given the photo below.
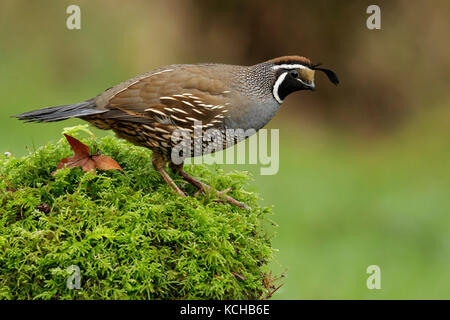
146, 110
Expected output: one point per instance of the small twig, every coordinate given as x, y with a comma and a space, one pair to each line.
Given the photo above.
269, 295
238, 275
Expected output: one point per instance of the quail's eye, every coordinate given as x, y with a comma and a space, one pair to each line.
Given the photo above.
294, 74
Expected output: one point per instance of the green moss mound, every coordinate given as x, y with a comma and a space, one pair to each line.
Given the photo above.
130, 236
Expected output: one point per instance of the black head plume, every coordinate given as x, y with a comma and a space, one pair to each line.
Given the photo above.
332, 76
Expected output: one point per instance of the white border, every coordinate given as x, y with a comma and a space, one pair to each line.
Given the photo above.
277, 85
290, 66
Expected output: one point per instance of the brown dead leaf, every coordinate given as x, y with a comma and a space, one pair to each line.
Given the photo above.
85, 160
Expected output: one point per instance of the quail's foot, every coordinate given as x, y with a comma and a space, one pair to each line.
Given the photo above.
203, 187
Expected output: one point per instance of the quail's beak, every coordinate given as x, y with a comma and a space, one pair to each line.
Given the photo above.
308, 84
307, 79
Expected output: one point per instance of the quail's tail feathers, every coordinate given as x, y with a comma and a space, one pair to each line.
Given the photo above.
58, 113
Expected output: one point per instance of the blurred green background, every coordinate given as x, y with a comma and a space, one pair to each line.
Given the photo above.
364, 173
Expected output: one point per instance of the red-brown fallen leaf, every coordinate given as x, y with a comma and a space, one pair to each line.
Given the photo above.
85, 160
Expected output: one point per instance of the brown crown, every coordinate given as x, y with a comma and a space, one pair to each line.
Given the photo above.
291, 60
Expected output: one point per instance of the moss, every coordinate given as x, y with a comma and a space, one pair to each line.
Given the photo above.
129, 234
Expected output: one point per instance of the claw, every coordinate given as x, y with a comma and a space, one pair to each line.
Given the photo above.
232, 200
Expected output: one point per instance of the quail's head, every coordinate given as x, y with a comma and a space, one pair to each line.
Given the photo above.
295, 73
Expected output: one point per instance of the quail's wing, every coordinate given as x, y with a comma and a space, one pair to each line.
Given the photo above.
176, 96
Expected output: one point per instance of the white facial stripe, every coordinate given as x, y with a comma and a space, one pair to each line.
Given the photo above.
277, 85
290, 66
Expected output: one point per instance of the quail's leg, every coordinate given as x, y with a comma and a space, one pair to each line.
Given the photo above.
159, 163
203, 186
